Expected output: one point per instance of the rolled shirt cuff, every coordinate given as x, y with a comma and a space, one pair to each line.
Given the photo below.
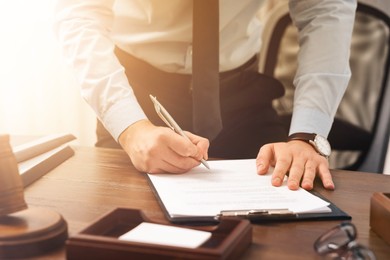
121, 115
309, 120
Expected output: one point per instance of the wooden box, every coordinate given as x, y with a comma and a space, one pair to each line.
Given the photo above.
229, 239
380, 215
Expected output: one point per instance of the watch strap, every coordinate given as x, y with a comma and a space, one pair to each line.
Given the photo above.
301, 136
320, 144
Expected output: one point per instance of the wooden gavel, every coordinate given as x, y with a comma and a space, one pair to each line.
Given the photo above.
24, 231
11, 185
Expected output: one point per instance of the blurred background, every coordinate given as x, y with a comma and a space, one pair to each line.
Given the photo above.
38, 94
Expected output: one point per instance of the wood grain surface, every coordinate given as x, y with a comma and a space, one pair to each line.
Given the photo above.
95, 181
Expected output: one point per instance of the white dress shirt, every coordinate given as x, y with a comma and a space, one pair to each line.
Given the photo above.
160, 33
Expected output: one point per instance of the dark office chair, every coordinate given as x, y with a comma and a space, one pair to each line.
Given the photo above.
367, 145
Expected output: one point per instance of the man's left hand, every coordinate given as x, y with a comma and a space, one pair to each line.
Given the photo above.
299, 160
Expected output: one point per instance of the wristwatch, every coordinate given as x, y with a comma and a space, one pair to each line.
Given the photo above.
319, 142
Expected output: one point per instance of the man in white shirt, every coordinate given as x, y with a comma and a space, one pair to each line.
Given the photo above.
124, 50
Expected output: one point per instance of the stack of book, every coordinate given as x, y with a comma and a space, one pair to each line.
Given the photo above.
36, 156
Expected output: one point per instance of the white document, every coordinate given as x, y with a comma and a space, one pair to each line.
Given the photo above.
229, 185
166, 235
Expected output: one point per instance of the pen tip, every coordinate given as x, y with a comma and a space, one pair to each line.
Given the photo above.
205, 164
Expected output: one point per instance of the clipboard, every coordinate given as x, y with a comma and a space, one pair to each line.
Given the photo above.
335, 214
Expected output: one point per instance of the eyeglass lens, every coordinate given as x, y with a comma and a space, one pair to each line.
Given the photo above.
337, 238
359, 253
340, 243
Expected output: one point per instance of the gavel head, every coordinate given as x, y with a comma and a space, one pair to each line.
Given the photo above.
11, 185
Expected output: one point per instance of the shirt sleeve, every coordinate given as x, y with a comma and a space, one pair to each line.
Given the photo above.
325, 30
83, 31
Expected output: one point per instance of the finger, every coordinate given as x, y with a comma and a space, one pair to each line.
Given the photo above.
163, 158
309, 175
166, 167
264, 158
172, 163
296, 172
182, 163
181, 145
156, 167
202, 143
326, 176
282, 166
160, 165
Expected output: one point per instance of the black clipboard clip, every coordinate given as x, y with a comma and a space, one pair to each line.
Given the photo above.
256, 214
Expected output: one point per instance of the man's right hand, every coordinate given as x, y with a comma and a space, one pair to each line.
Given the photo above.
155, 149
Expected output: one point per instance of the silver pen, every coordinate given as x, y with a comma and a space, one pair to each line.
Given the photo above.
171, 123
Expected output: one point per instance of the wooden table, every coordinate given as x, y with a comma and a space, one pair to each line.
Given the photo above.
95, 181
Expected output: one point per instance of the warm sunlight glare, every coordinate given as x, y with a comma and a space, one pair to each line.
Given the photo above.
25, 27
37, 94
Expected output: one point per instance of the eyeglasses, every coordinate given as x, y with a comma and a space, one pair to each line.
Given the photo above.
340, 243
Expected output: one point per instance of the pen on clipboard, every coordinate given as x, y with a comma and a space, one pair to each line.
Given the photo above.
257, 214
170, 122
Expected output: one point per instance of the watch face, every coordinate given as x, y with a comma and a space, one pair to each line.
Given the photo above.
322, 145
